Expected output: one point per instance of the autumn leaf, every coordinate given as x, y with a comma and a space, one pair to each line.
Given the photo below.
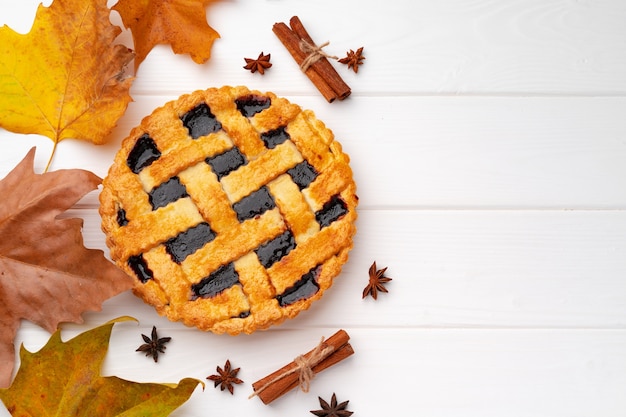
180, 23
47, 276
65, 78
63, 379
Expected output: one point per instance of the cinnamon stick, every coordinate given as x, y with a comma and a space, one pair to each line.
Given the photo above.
289, 376
320, 72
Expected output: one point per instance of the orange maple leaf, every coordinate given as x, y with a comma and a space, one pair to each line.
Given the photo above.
181, 23
64, 79
47, 276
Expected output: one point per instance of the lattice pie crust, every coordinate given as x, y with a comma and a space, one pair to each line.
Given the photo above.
233, 209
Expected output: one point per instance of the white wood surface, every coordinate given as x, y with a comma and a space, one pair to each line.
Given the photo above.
488, 141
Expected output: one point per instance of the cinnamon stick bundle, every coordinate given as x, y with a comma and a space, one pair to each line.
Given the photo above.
330, 351
316, 65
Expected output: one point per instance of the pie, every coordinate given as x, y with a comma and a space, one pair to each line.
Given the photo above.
232, 209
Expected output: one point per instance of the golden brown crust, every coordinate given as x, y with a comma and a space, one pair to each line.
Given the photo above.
197, 256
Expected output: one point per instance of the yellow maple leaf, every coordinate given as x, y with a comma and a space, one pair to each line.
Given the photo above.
65, 78
63, 379
180, 23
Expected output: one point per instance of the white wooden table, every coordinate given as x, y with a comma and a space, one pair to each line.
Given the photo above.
488, 142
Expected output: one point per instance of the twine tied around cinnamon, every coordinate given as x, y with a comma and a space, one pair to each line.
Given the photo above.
312, 59
303, 366
314, 54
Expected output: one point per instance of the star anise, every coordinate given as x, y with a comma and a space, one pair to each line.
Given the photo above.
260, 64
153, 345
226, 377
333, 409
353, 59
377, 279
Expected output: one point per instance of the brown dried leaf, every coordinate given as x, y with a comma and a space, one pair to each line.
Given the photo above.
47, 276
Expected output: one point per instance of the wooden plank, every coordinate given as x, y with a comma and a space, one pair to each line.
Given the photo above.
458, 47
456, 152
491, 269
488, 141
421, 372
424, 46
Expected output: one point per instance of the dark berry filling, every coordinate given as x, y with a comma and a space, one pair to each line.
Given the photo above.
166, 193
121, 217
273, 250
223, 278
254, 204
200, 121
140, 268
304, 288
274, 137
226, 162
332, 210
252, 104
303, 174
143, 154
189, 241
